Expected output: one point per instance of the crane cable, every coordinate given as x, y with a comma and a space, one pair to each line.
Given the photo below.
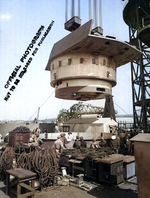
123, 110
42, 104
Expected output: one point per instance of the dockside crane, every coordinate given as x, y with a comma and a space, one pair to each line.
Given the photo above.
136, 15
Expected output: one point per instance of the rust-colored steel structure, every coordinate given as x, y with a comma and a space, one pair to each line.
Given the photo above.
136, 15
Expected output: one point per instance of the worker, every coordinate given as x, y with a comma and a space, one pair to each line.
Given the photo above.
58, 146
32, 135
35, 139
102, 142
83, 142
94, 144
0, 138
63, 138
128, 145
77, 142
115, 142
69, 137
6, 138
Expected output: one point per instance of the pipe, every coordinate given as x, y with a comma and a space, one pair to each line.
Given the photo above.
72, 10
79, 8
66, 11
90, 15
95, 12
100, 14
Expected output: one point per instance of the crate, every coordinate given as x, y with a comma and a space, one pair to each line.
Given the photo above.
111, 173
91, 169
64, 162
128, 166
61, 181
77, 166
111, 169
15, 138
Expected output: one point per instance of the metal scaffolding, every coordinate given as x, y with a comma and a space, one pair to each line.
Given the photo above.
136, 14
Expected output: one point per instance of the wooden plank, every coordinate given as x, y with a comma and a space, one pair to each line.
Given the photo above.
13, 182
80, 158
26, 195
7, 183
78, 168
18, 190
21, 173
13, 191
75, 161
27, 179
111, 159
27, 187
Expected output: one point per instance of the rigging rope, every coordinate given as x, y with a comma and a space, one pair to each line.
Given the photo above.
42, 105
123, 110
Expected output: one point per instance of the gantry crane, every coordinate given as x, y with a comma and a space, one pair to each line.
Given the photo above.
136, 15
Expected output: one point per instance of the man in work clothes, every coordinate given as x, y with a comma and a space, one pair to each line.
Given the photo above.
83, 142
69, 137
77, 142
58, 145
115, 142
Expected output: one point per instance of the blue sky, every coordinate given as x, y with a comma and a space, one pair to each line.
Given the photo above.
19, 22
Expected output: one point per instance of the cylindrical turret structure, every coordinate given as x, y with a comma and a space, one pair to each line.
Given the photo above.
83, 65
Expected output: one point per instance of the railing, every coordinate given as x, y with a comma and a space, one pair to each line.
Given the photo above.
125, 125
